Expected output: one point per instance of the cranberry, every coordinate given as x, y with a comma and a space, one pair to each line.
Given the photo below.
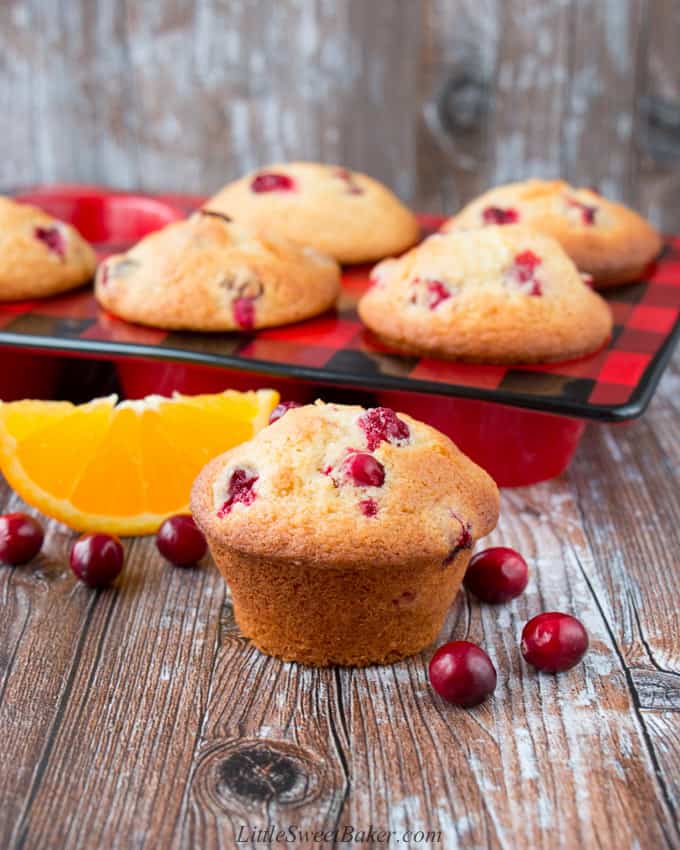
52, 239
281, 409
587, 211
364, 470
382, 424
523, 272
243, 311
526, 263
497, 575
435, 293
588, 279
369, 507
462, 673
181, 541
463, 541
240, 490
97, 559
498, 215
554, 642
348, 177
21, 537
272, 183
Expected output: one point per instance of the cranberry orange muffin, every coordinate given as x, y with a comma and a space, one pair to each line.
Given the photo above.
39, 255
343, 213
344, 533
491, 295
209, 274
605, 239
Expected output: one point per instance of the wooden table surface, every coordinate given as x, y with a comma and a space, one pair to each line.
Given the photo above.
139, 717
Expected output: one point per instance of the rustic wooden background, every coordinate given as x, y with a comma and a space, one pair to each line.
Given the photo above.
139, 717
439, 98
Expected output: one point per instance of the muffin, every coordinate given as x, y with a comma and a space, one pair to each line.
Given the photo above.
39, 255
209, 274
491, 295
605, 239
344, 533
342, 213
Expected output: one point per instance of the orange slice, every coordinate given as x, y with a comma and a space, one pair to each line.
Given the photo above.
121, 468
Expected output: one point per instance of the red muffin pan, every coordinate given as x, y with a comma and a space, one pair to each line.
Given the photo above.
522, 423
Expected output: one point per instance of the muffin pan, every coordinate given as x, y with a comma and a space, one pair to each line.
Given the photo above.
614, 384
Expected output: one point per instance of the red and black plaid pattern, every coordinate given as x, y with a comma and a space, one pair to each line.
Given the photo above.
615, 383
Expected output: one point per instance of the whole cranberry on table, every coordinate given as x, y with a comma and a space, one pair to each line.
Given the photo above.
97, 559
554, 642
21, 538
181, 541
496, 575
462, 673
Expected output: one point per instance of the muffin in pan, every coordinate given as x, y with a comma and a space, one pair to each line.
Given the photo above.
40, 255
343, 213
343, 532
499, 294
606, 239
209, 274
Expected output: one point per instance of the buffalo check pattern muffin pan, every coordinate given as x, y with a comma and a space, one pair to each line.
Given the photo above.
615, 383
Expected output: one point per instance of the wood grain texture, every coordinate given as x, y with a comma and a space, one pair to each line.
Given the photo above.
139, 717
439, 99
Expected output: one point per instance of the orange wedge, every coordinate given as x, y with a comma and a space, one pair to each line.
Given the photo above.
121, 468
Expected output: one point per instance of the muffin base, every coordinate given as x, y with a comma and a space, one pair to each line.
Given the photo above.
351, 615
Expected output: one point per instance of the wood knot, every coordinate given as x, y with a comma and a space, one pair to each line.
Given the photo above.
242, 775
259, 773
462, 101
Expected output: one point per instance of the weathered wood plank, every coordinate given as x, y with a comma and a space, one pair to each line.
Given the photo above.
606, 48
107, 765
658, 124
43, 629
272, 752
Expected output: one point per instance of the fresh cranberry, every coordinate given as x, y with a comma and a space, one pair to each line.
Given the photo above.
243, 311
364, 470
554, 642
463, 541
498, 215
282, 408
97, 559
181, 541
240, 490
52, 239
21, 537
272, 183
588, 279
497, 575
381, 424
462, 673
369, 507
